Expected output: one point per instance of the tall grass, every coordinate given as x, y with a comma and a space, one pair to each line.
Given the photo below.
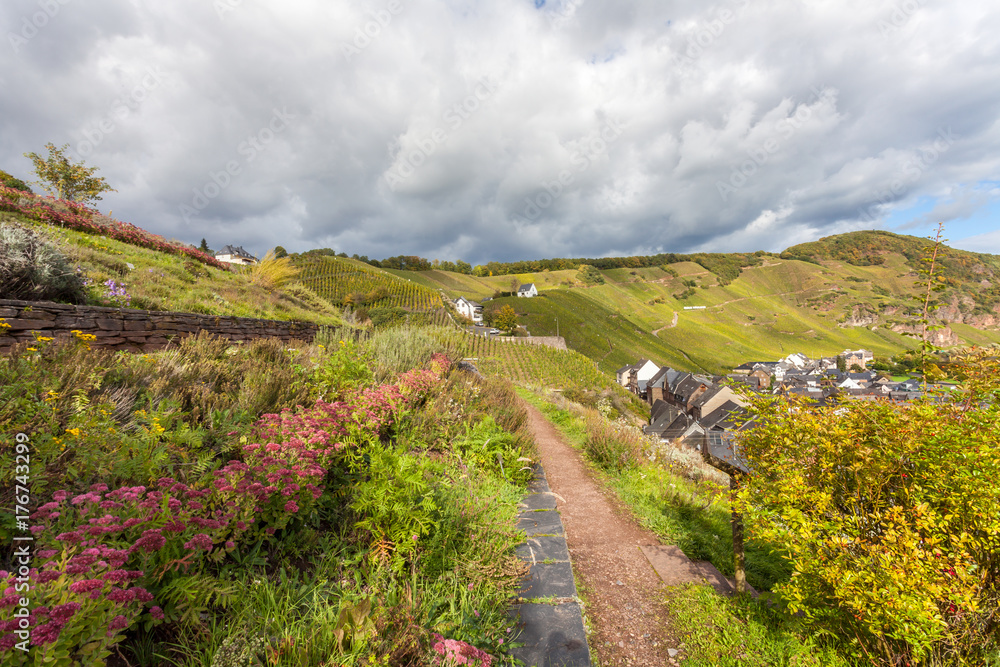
614, 446
272, 272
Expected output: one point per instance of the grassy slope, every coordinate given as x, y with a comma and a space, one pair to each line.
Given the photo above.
334, 278
161, 281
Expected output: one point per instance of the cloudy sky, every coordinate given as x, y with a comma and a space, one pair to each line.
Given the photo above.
514, 129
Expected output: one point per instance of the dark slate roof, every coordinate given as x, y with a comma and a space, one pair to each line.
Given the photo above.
624, 369
676, 381
238, 251
660, 408
659, 379
721, 454
706, 396
749, 380
526, 288
725, 416
686, 387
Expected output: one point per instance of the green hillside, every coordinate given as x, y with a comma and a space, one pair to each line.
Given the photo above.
811, 299
158, 280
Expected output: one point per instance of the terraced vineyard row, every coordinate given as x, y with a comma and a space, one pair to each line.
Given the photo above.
536, 365
348, 282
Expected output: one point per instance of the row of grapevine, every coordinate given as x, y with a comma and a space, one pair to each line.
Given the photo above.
347, 282
530, 364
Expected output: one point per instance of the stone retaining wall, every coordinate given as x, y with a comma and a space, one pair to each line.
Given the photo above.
132, 329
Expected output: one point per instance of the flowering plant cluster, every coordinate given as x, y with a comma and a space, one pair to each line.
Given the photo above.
117, 294
101, 543
454, 652
83, 592
78, 217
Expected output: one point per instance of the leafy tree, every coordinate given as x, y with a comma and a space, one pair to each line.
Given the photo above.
13, 182
506, 318
841, 363
63, 179
590, 275
279, 252
889, 515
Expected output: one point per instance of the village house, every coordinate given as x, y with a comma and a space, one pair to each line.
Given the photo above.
637, 375
236, 255
527, 291
469, 309
859, 358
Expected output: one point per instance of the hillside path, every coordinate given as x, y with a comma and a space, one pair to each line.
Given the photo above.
672, 324
622, 592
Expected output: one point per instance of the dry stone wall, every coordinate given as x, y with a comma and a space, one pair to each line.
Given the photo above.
132, 329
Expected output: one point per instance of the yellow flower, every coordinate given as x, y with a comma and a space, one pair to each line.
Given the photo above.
74, 431
51, 395
32, 349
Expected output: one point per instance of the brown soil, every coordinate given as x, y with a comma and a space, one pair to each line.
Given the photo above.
623, 594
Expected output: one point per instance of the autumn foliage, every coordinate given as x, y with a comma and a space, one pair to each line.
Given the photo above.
890, 516
76, 216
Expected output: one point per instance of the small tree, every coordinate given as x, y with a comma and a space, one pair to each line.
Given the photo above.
63, 179
279, 252
204, 247
506, 319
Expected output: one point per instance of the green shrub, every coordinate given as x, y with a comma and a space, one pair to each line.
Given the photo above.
611, 445
399, 349
387, 316
33, 270
13, 182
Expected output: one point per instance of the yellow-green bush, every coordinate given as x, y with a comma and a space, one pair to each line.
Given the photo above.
890, 516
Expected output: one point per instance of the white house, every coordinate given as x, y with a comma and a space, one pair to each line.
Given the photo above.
640, 372
798, 360
527, 291
470, 309
236, 255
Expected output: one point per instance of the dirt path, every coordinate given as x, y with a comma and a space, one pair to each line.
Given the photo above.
672, 324
622, 591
